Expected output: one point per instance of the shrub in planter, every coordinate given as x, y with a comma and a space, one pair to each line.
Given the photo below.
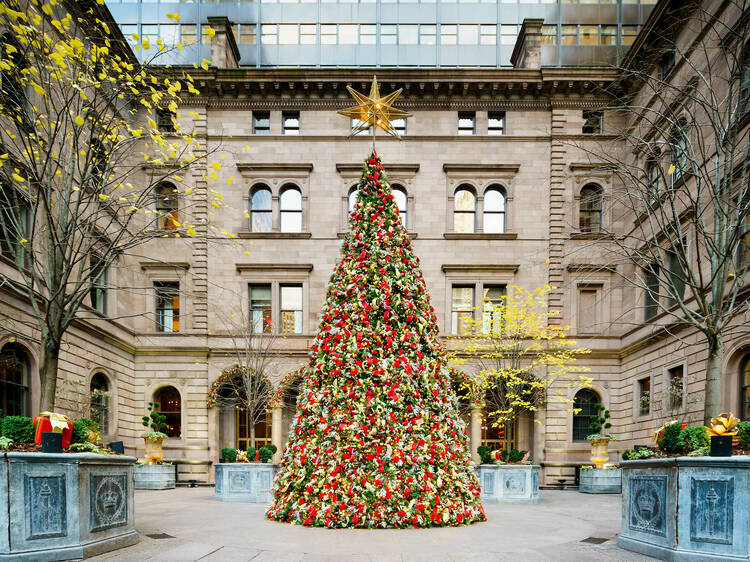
82, 429
743, 434
229, 454
668, 438
484, 454
273, 448
251, 454
265, 453
18, 428
694, 438
631, 455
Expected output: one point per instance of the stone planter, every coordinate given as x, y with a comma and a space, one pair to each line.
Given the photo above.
63, 506
599, 451
509, 483
154, 452
154, 477
604, 481
688, 508
245, 482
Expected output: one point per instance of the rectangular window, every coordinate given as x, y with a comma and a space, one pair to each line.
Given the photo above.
288, 34
644, 396
592, 122
367, 34
628, 34
509, 33
467, 122
307, 34
666, 64
468, 34
98, 294
588, 314
150, 31
164, 121
447, 34
348, 34
487, 35
676, 279
589, 35
496, 123
400, 126
268, 34
261, 318
651, 276
387, 34
247, 34
328, 34
15, 212
743, 248
290, 122
261, 122
549, 35
676, 386
608, 35
492, 318
462, 309
291, 309
169, 34
167, 306
569, 35
356, 123
408, 34
427, 34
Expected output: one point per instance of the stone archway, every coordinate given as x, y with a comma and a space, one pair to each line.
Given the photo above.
283, 406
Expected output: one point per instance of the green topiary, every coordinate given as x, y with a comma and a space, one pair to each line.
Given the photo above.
229, 454
265, 452
18, 428
670, 441
743, 433
484, 454
251, 453
599, 422
694, 438
515, 455
81, 429
631, 455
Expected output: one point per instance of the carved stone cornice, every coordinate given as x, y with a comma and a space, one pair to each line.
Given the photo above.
481, 170
163, 265
242, 267
448, 267
354, 170
275, 169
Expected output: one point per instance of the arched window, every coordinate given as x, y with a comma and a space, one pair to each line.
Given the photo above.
464, 210
745, 388
14, 380
399, 196
99, 401
170, 404
679, 154
260, 210
494, 209
11, 87
590, 215
583, 403
167, 212
653, 177
352, 199
290, 210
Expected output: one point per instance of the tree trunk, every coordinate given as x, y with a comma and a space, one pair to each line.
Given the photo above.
252, 432
48, 372
713, 379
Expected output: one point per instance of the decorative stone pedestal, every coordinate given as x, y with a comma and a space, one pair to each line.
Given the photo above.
509, 483
64, 506
154, 477
601, 481
688, 508
245, 482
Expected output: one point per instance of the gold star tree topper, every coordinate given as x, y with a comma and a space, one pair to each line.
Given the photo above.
374, 111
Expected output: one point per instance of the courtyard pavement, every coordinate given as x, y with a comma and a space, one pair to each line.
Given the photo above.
188, 524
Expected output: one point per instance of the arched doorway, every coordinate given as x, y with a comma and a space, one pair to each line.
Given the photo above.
15, 393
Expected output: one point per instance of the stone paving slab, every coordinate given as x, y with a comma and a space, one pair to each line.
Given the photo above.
190, 525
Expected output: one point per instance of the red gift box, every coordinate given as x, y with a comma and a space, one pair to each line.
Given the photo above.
44, 425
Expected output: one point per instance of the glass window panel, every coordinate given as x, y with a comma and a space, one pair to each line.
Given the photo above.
367, 34
407, 34
399, 196
260, 309
496, 122
307, 34
261, 122
400, 126
494, 200
466, 122
629, 33
167, 306
464, 200
508, 34
14, 381
291, 221
348, 34
644, 396
247, 34
569, 35
494, 222
288, 34
493, 299
291, 200
589, 35
549, 35
583, 405
488, 34
388, 34
261, 200
170, 34
291, 309
328, 34
170, 405
151, 31
462, 309
608, 35
268, 34
468, 34
447, 34
427, 34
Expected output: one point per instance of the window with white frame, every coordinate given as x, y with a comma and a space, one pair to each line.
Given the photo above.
260, 209
290, 209
462, 308
261, 314
464, 210
494, 209
399, 196
291, 308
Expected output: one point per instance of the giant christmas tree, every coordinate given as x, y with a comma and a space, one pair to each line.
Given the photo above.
377, 440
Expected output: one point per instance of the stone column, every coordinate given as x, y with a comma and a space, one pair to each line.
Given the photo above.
475, 432
527, 52
276, 418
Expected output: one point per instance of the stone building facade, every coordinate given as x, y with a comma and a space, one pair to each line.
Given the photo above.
509, 148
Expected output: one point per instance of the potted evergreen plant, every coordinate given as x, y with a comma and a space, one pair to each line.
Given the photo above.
154, 438
599, 479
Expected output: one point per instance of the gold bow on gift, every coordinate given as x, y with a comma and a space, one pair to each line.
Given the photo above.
723, 424
59, 422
